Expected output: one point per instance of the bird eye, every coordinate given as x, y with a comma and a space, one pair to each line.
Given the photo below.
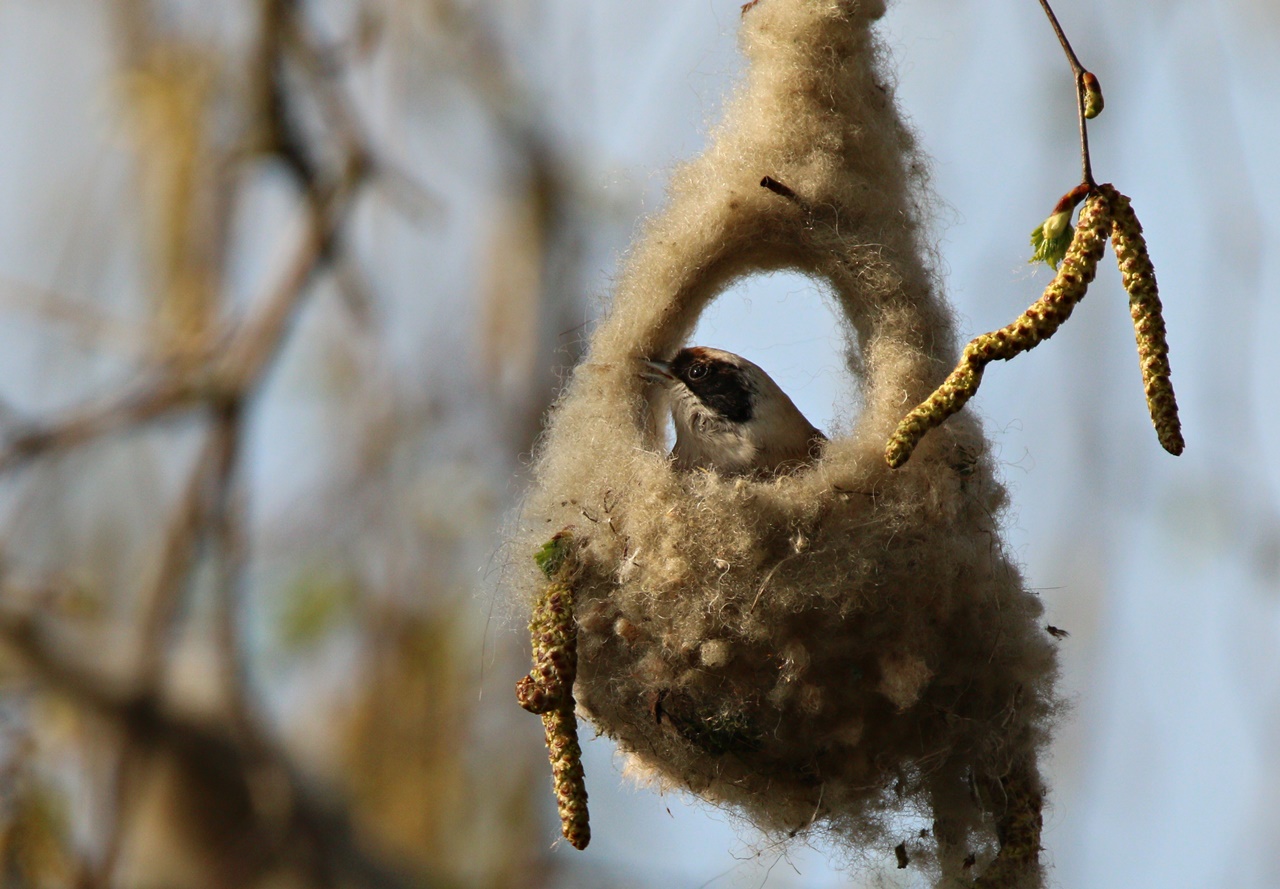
697, 372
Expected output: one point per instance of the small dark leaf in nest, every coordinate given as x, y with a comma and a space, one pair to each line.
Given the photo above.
715, 734
901, 851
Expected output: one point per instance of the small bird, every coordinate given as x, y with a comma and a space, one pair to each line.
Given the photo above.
730, 416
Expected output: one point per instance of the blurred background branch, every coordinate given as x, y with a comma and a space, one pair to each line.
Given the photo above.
149, 626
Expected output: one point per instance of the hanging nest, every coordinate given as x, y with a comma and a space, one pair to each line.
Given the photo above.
831, 649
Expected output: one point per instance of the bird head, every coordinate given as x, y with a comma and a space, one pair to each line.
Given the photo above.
730, 416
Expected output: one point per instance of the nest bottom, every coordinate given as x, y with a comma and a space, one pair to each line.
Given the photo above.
862, 708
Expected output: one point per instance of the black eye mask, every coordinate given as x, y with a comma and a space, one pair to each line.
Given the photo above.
720, 386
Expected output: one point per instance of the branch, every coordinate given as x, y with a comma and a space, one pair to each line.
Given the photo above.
135, 406
227, 518
1088, 94
229, 374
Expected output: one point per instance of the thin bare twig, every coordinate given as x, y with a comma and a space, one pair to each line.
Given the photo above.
227, 519
85, 324
136, 406
229, 373
1079, 72
178, 554
255, 343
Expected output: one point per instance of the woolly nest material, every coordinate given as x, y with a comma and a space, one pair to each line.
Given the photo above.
837, 647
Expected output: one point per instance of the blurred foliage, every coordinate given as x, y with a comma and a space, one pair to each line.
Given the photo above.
166, 97
34, 838
317, 601
246, 507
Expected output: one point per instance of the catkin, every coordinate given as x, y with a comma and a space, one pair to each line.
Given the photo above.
548, 692
1139, 277
1039, 322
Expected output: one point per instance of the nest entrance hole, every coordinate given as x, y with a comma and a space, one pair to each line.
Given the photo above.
788, 323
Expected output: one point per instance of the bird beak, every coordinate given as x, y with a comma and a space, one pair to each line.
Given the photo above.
657, 371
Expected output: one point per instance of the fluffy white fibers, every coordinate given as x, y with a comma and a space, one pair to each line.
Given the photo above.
837, 647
